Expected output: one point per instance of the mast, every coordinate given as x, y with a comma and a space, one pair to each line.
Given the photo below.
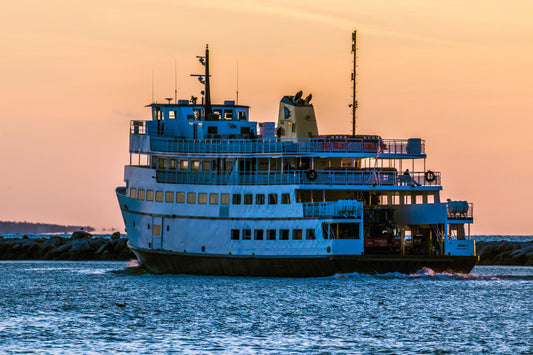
354, 76
208, 109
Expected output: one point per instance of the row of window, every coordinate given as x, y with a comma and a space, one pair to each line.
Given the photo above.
211, 198
272, 234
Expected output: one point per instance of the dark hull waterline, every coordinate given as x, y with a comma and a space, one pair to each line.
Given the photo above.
164, 262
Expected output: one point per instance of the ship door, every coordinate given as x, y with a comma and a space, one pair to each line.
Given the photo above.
157, 232
195, 131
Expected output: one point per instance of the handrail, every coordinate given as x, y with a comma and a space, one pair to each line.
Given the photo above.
460, 210
405, 147
297, 177
341, 208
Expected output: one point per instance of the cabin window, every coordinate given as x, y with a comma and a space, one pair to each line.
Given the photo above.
202, 198
140, 194
133, 192
235, 234
297, 234
190, 117
224, 199
180, 197
213, 199
206, 165
228, 115
283, 234
195, 165
217, 113
246, 234
191, 197
271, 234
169, 196
149, 195
171, 115
212, 130
310, 234
285, 199
260, 199
162, 163
236, 199
272, 199
159, 196
173, 164
258, 234
184, 164
248, 199
242, 116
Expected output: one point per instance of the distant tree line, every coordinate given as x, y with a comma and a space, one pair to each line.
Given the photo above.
38, 228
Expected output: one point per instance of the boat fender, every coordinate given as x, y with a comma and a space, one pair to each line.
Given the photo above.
311, 174
429, 176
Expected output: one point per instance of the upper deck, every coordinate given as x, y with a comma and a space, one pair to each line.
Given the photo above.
145, 140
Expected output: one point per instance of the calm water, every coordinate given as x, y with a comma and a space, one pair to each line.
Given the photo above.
97, 307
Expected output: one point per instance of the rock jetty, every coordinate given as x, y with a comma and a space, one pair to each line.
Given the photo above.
505, 253
80, 246
83, 246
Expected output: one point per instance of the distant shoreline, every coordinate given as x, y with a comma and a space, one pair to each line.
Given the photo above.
39, 228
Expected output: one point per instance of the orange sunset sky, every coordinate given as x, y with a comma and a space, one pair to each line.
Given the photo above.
73, 73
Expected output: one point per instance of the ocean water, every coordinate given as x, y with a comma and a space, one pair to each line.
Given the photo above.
99, 307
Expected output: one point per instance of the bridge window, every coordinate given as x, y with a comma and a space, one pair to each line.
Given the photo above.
285, 199
242, 116
171, 115
133, 192
260, 199
191, 197
213, 199
180, 197
228, 115
159, 196
140, 194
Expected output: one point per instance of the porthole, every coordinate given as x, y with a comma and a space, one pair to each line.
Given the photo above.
134, 223
329, 249
148, 225
203, 248
168, 228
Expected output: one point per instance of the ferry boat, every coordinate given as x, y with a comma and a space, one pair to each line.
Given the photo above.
210, 192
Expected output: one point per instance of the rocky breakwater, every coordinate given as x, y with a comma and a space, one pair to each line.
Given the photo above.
80, 246
505, 253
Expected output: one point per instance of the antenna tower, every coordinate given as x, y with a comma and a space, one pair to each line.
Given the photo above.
354, 77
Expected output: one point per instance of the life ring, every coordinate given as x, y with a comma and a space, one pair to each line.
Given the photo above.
311, 174
429, 176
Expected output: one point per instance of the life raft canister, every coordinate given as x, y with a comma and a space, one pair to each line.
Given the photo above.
311, 174
429, 176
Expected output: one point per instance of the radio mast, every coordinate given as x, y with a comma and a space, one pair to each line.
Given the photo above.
354, 77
